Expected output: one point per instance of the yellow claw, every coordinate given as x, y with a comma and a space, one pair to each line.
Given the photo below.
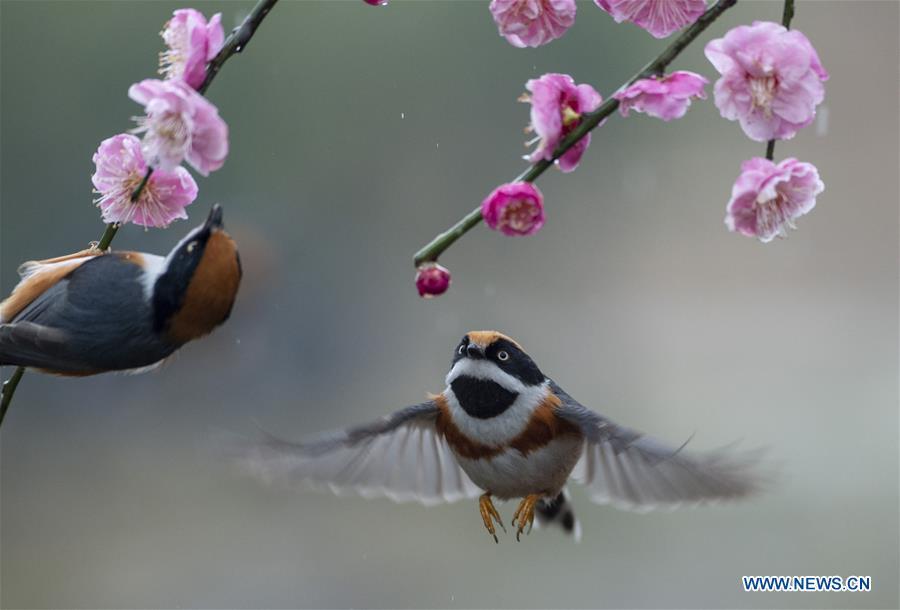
525, 514
489, 514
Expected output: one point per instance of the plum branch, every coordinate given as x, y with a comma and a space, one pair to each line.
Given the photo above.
656, 67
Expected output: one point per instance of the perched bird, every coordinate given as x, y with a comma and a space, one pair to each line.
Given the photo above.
97, 311
501, 428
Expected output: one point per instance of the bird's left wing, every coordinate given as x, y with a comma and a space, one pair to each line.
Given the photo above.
625, 468
400, 456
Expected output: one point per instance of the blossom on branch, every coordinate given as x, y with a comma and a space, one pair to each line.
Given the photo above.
192, 44
767, 198
532, 23
432, 280
665, 98
772, 79
557, 105
516, 208
659, 17
120, 168
180, 124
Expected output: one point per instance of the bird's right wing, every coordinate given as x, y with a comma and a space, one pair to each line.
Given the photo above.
630, 470
400, 456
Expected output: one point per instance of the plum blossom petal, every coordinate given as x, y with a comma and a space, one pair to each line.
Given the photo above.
532, 23
432, 280
516, 208
557, 106
772, 79
767, 198
665, 98
192, 43
180, 124
659, 17
120, 168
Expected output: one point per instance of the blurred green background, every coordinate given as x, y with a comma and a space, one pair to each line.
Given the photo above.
356, 135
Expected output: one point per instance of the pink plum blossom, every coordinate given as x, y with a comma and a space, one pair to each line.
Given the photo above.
514, 209
659, 17
120, 168
771, 79
767, 198
532, 23
557, 105
180, 124
665, 98
192, 44
432, 280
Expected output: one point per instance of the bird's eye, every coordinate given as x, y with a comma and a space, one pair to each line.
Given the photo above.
461, 349
502, 355
191, 246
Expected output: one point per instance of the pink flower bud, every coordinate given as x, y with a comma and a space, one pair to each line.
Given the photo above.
432, 280
376, 2
514, 209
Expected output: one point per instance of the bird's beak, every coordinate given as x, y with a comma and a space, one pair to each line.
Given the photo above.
214, 220
474, 351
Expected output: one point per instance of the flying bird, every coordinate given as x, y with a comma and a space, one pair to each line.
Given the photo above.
502, 429
97, 311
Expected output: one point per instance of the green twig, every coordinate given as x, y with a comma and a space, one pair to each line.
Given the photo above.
589, 121
786, 18
8, 389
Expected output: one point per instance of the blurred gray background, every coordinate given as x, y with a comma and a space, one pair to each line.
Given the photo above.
356, 135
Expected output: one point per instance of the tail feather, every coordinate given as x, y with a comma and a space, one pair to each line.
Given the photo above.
559, 511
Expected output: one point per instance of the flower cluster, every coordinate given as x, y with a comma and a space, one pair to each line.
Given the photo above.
141, 180
532, 23
771, 83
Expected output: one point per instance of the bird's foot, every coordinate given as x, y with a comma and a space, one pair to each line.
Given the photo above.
525, 514
489, 514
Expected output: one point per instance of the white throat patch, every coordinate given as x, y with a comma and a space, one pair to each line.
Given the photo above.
485, 369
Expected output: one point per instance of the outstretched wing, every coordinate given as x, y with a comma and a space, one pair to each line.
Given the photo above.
623, 467
400, 456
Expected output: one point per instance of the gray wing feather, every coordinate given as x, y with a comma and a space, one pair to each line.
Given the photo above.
623, 467
30, 344
400, 456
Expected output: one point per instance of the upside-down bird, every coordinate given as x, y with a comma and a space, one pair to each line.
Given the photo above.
503, 429
97, 311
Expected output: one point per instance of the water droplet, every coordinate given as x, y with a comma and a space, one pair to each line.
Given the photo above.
402, 115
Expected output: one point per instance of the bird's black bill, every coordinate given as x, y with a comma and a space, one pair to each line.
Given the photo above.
214, 220
474, 351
